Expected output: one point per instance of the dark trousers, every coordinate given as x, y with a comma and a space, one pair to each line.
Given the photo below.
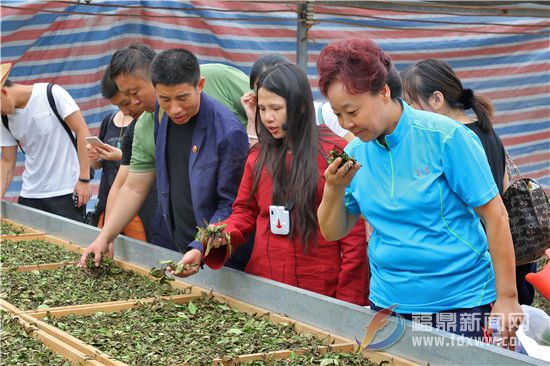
59, 205
240, 257
469, 322
526, 291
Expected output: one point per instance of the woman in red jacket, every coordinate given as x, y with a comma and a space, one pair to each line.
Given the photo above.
286, 169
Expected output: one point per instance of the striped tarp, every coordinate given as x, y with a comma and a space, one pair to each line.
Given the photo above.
503, 57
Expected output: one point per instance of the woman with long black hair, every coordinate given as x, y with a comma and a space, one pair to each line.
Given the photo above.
279, 194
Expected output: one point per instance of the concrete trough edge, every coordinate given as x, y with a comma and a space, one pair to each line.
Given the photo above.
332, 315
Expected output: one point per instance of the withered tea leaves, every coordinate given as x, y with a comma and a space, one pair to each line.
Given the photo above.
334, 154
160, 271
32, 252
212, 231
18, 348
71, 286
165, 333
192, 308
104, 269
314, 357
9, 229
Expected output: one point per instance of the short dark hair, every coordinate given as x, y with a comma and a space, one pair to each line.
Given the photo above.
135, 58
8, 83
108, 86
263, 63
175, 66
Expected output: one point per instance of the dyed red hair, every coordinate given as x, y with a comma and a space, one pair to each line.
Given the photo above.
359, 64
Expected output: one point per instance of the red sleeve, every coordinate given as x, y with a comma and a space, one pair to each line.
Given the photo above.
330, 140
242, 220
353, 285
353, 278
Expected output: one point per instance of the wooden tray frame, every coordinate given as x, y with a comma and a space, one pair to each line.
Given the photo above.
61, 348
79, 352
29, 232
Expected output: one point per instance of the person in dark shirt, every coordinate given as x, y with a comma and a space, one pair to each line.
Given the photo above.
200, 151
432, 85
116, 132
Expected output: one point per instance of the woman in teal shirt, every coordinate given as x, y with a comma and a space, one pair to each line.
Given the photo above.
423, 182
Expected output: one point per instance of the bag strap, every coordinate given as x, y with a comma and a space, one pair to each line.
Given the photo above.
510, 164
5, 122
51, 100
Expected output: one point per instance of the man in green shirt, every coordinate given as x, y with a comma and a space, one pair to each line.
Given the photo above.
131, 72
224, 83
227, 85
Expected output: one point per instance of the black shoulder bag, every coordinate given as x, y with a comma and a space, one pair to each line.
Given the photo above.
529, 215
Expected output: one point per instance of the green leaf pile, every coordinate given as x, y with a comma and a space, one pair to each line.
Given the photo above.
165, 333
70, 285
18, 348
32, 252
9, 229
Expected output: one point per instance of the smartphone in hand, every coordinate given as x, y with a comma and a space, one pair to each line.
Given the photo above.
94, 141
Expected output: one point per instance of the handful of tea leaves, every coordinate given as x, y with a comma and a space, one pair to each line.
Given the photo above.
104, 268
160, 271
214, 232
334, 154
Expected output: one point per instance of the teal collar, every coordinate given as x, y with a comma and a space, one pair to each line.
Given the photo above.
402, 128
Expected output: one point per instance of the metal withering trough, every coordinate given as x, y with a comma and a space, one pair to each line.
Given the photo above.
337, 317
